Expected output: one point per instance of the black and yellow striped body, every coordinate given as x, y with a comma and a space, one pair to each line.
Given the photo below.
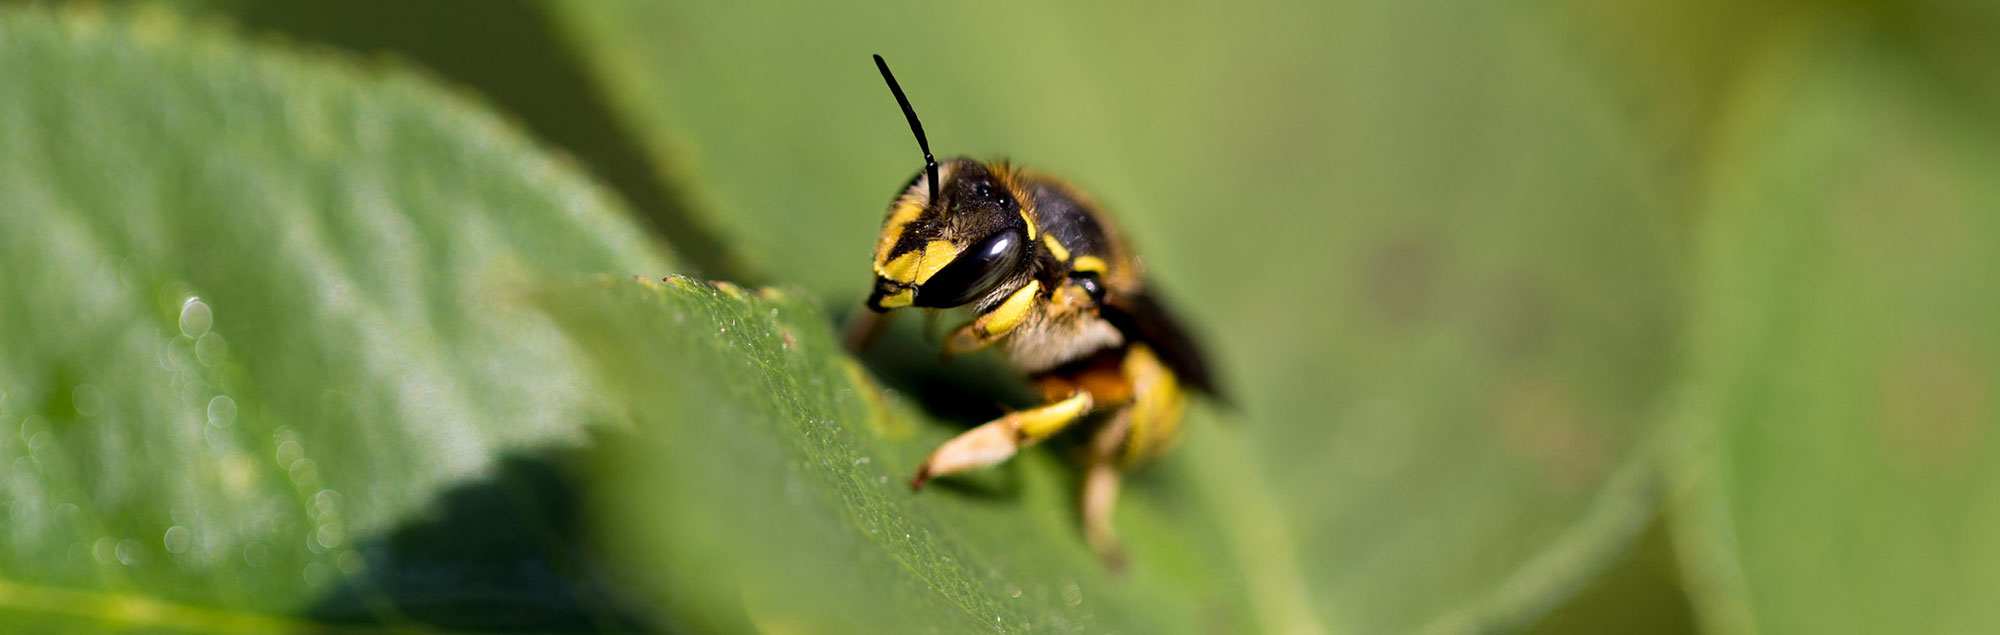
1054, 285
1074, 291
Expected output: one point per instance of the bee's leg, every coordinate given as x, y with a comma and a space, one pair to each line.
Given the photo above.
1143, 427
1157, 400
994, 324
1100, 488
998, 439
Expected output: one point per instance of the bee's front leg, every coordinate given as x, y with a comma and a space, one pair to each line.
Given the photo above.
999, 439
995, 323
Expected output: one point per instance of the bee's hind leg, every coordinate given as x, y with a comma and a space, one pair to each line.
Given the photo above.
1145, 425
1100, 488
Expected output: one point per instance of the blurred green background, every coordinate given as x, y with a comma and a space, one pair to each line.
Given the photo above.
1551, 317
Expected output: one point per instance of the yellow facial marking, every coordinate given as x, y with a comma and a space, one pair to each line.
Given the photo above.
1089, 263
907, 209
1030, 222
937, 254
903, 269
899, 299
1056, 247
1010, 313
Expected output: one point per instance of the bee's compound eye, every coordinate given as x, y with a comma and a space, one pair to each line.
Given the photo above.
974, 272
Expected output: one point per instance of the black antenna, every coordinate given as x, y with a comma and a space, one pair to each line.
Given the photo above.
930, 163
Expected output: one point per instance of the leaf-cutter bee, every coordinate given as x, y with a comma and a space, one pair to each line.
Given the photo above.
1055, 286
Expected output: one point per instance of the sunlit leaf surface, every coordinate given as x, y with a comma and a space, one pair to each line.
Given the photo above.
761, 480
266, 339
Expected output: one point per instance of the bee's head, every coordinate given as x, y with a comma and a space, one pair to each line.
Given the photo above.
969, 244
957, 235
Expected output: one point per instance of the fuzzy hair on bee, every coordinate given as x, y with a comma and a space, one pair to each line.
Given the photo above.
1053, 284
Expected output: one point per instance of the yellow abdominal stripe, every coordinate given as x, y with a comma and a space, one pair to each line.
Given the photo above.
1056, 247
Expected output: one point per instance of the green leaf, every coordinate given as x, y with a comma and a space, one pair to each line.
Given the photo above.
268, 349
761, 482
1845, 392
285, 361
514, 57
1432, 259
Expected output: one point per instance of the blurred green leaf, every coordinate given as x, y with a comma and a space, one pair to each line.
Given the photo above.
1844, 476
510, 53
1639, 594
267, 342
1433, 257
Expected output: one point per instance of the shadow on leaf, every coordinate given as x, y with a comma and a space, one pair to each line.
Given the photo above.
508, 552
